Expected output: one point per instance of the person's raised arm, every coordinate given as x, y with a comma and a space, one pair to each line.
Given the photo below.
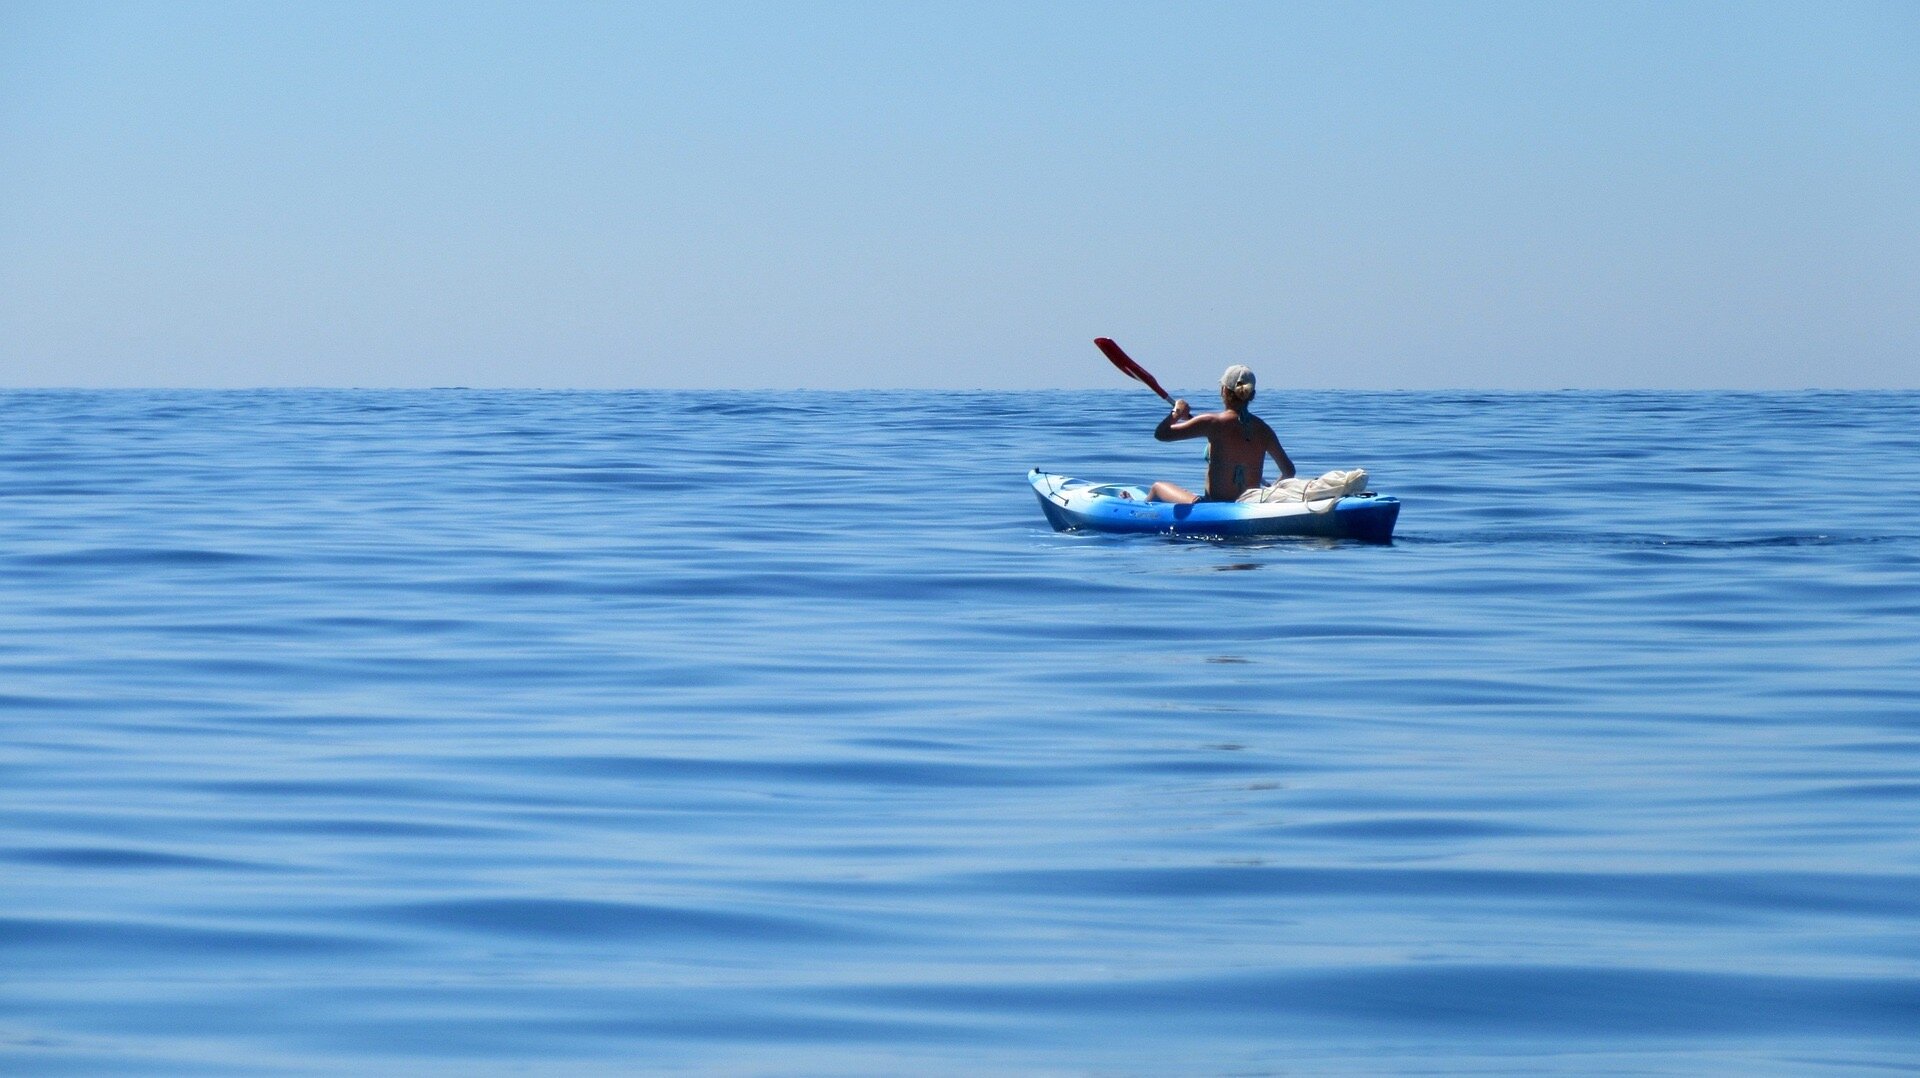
1179, 423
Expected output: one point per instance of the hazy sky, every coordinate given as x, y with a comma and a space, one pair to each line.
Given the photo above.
1523, 195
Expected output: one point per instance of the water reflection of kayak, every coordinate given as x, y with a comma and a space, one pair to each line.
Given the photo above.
1079, 505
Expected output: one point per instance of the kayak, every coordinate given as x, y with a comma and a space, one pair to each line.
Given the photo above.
1079, 505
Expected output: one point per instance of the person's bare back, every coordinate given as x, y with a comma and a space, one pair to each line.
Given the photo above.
1238, 443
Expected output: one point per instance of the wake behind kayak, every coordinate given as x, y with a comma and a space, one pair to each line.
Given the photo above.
1080, 505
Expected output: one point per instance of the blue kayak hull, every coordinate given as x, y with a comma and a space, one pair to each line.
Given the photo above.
1077, 505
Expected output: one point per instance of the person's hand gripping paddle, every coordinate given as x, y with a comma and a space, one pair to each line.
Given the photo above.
1128, 367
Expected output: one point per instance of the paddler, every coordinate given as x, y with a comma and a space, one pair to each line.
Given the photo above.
1238, 443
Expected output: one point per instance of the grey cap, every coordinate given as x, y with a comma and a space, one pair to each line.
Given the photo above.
1236, 377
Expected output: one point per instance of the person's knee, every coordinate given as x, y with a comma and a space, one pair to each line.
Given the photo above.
1164, 491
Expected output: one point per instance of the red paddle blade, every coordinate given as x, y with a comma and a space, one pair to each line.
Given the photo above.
1128, 367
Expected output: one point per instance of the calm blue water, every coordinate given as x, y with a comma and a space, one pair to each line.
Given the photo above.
479, 732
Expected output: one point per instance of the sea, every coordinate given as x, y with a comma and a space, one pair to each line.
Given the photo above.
451, 732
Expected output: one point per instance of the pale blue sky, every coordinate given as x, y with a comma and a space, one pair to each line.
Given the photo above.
1514, 195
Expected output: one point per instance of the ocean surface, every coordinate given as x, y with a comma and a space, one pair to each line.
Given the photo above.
461, 732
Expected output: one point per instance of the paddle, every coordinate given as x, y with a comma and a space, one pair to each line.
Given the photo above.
1128, 367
